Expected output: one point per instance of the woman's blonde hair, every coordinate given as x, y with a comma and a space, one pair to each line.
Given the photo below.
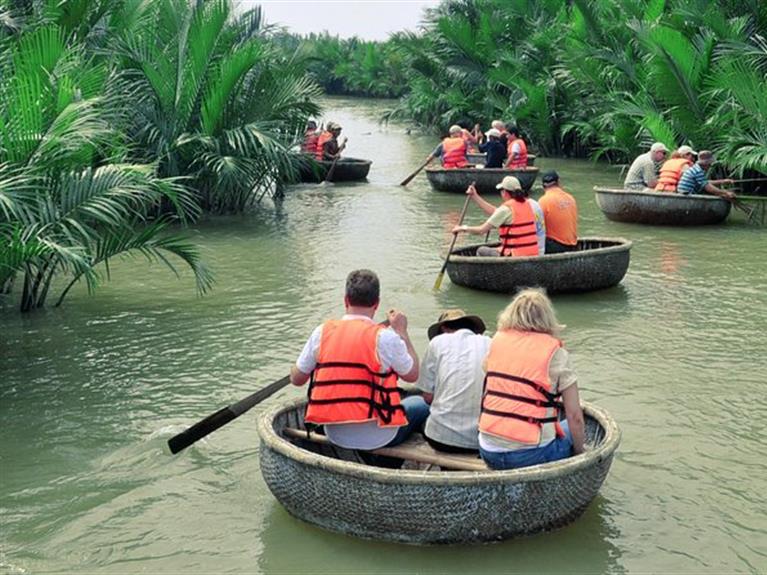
530, 310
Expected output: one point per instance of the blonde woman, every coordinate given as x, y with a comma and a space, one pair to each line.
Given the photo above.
529, 380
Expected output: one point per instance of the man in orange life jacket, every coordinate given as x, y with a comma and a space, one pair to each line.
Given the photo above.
309, 145
561, 215
672, 169
353, 364
452, 150
516, 152
520, 222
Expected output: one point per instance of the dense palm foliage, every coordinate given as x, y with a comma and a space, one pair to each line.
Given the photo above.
350, 66
587, 77
121, 120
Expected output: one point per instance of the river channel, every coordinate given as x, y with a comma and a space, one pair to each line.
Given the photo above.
91, 391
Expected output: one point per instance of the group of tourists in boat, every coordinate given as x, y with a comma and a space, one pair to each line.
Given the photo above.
527, 227
323, 145
684, 172
499, 397
504, 148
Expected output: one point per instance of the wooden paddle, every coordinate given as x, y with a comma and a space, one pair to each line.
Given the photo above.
407, 180
438, 282
332, 169
225, 415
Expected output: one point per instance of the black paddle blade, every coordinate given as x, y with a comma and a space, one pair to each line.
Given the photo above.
200, 430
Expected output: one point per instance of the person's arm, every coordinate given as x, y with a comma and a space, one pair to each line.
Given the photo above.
427, 377
484, 205
307, 361
298, 377
710, 188
398, 323
572, 404
476, 230
650, 176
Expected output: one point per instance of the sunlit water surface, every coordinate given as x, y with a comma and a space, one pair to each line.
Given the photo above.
90, 392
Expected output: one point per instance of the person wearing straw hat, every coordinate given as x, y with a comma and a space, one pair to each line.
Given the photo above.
494, 149
527, 237
451, 378
529, 382
643, 173
694, 180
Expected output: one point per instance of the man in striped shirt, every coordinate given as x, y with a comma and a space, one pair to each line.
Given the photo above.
694, 180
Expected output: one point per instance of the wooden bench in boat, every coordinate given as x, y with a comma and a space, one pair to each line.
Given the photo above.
414, 449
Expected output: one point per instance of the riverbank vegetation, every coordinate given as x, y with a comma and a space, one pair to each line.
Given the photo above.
121, 121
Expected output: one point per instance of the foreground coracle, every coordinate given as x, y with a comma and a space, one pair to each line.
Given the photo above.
346, 170
598, 263
456, 180
331, 487
661, 208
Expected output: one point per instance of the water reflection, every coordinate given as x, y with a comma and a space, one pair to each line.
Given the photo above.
587, 541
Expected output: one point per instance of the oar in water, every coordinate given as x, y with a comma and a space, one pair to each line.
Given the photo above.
332, 169
406, 181
438, 282
225, 415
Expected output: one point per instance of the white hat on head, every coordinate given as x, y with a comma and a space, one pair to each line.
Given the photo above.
510, 184
658, 146
493, 132
684, 150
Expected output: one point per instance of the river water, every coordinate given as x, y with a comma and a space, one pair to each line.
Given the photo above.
90, 392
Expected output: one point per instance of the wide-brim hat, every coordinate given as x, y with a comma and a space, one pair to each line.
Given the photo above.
472, 322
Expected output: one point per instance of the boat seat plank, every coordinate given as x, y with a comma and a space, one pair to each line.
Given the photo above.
413, 449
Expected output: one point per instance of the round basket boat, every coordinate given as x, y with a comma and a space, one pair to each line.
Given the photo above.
329, 487
456, 180
346, 170
598, 263
481, 158
661, 208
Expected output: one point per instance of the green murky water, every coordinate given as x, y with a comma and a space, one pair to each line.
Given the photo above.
90, 392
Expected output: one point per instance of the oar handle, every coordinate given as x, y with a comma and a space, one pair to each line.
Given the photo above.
438, 282
406, 181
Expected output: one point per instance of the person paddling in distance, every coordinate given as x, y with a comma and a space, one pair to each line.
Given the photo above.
529, 381
353, 365
451, 378
311, 137
452, 150
331, 149
694, 180
520, 222
560, 213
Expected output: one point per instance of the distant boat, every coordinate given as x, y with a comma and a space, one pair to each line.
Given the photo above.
661, 208
335, 489
598, 263
456, 180
346, 170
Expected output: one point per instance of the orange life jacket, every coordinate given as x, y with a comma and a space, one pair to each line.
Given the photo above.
454, 153
671, 173
309, 145
561, 215
517, 399
470, 139
347, 385
521, 160
324, 137
519, 238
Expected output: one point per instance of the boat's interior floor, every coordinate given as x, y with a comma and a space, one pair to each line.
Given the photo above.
415, 451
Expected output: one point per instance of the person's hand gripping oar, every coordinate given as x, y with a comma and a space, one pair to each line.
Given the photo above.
438, 282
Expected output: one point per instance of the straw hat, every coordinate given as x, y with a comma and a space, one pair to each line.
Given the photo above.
450, 316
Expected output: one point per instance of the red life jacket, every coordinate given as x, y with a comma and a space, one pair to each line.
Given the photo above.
309, 145
670, 174
454, 153
521, 160
347, 385
324, 137
517, 400
519, 238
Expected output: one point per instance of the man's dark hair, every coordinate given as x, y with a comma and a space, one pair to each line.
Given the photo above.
311, 124
513, 130
363, 288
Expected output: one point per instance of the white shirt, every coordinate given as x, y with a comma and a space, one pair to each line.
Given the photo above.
452, 370
392, 352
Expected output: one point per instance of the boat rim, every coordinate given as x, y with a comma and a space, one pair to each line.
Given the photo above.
435, 169
623, 245
673, 197
541, 472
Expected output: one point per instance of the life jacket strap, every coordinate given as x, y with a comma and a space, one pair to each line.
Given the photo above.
329, 364
537, 386
527, 418
530, 400
384, 409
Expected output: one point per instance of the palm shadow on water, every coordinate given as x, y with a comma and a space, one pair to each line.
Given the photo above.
587, 545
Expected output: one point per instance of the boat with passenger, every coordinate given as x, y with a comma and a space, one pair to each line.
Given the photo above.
456, 180
661, 208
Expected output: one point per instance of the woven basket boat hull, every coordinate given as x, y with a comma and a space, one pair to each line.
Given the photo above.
457, 180
662, 209
598, 264
347, 170
327, 487
481, 158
